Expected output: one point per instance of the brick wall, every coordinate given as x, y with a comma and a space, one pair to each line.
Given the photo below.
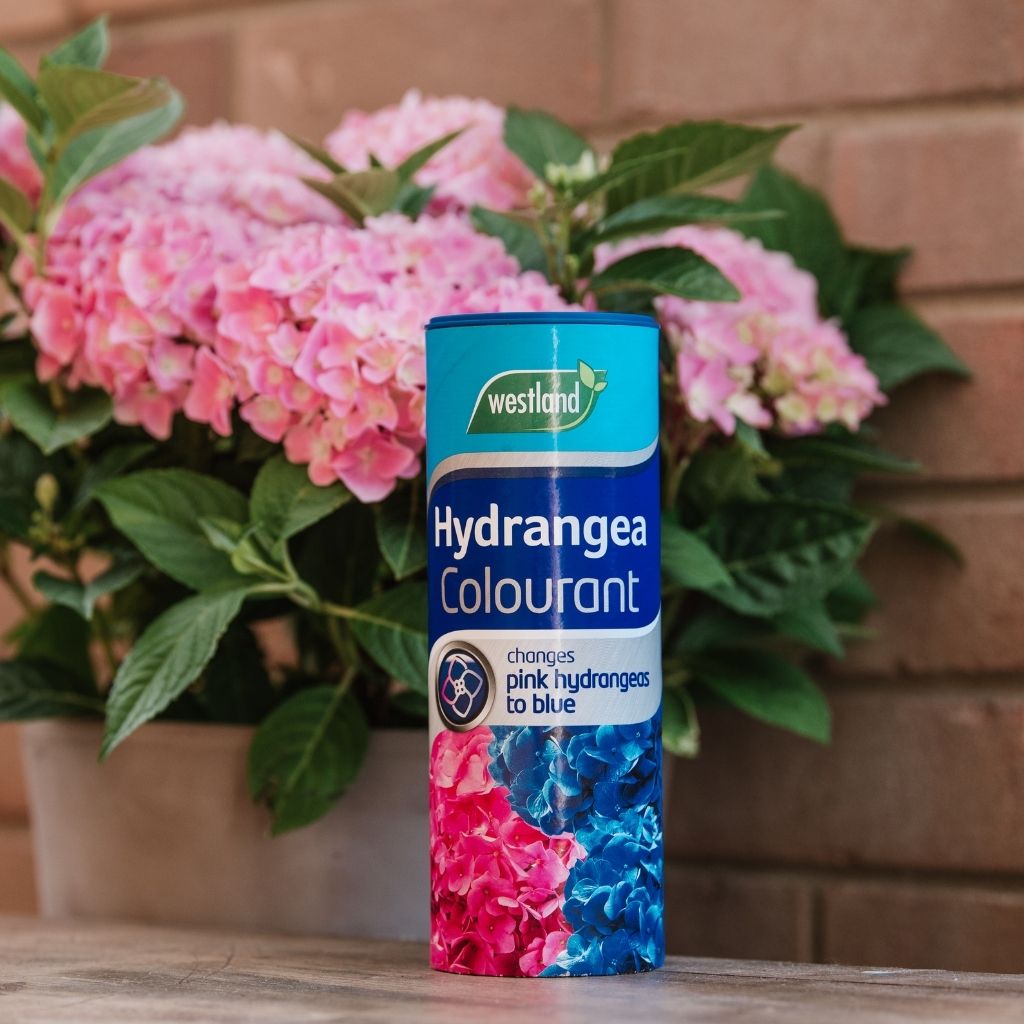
903, 844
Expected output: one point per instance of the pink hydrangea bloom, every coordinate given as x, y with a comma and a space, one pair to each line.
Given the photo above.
325, 331
476, 168
768, 360
16, 163
497, 883
127, 301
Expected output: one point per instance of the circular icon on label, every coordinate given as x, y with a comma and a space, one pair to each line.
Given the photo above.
464, 687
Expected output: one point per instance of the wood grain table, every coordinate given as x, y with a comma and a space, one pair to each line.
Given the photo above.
57, 972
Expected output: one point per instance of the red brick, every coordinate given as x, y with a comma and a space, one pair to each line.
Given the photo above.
17, 872
736, 914
936, 616
932, 926
689, 58
966, 431
952, 187
19, 19
911, 780
12, 783
303, 66
199, 63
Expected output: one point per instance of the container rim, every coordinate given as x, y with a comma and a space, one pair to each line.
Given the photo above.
511, 319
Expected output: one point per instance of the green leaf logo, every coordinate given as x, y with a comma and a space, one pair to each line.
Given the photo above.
537, 401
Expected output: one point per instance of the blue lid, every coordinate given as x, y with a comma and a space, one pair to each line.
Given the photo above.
496, 319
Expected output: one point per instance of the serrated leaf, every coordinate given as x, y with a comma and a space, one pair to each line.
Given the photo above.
898, 346
87, 49
27, 405
783, 554
285, 501
113, 462
539, 139
666, 271
720, 475
392, 628
17, 87
306, 754
769, 688
422, 156
166, 659
82, 598
811, 625
690, 156
30, 690
159, 511
401, 534
517, 233
687, 561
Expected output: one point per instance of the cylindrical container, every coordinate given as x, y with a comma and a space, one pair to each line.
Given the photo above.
545, 662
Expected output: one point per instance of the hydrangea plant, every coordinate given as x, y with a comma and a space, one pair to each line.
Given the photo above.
211, 406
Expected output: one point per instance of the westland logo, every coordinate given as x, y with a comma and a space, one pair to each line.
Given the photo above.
529, 401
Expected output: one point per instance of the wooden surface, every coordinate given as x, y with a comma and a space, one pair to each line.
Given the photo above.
119, 973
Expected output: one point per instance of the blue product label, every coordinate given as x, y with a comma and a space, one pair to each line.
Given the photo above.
545, 667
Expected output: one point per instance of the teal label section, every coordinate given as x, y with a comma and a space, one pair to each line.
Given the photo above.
540, 387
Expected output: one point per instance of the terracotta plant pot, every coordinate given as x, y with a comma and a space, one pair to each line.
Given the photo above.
165, 831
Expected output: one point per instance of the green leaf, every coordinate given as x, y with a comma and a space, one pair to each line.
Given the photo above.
841, 449
769, 688
82, 599
15, 209
113, 462
926, 534
168, 657
851, 599
539, 139
680, 731
689, 156
21, 464
717, 627
236, 687
88, 154
401, 521
783, 554
70, 93
86, 49
409, 702
285, 501
31, 690
666, 271
17, 87
811, 625
418, 159
413, 200
517, 233
392, 628
360, 194
808, 232
159, 511
321, 156
721, 474
306, 754
58, 637
27, 405
659, 213
687, 561
898, 346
